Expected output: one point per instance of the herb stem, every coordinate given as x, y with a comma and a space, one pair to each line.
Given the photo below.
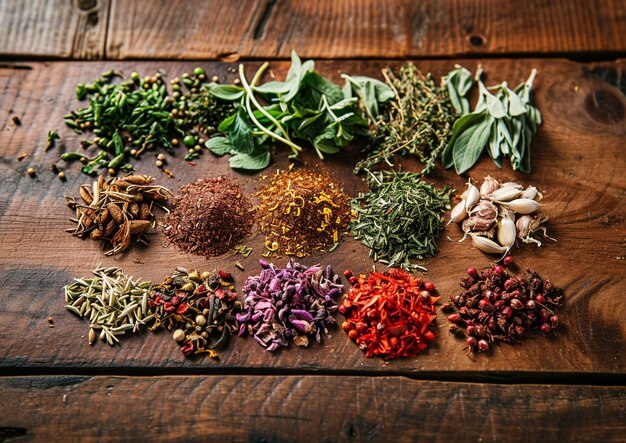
251, 99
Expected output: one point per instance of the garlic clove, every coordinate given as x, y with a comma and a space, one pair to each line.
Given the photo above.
505, 194
523, 205
506, 232
458, 213
530, 192
472, 195
523, 226
489, 185
487, 246
512, 185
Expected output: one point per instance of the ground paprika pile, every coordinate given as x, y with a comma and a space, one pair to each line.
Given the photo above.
388, 314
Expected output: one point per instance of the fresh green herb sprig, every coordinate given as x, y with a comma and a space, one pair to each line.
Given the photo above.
504, 122
400, 218
417, 121
305, 107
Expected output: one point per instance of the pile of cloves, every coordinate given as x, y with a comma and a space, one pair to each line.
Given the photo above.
117, 209
498, 214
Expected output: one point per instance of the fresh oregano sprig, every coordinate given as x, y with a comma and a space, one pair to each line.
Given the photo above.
504, 122
400, 218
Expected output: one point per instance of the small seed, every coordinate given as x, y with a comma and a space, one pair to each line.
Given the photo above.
31, 172
200, 320
92, 336
179, 335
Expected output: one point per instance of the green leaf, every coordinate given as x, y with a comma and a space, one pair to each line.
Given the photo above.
459, 82
226, 92
295, 75
371, 92
241, 133
227, 123
273, 87
250, 162
117, 142
461, 126
516, 105
467, 150
220, 145
495, 106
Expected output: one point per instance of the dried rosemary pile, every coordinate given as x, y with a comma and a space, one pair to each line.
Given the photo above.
116, 209
417, 121
302, 212
199, 309
209, 217
400, 218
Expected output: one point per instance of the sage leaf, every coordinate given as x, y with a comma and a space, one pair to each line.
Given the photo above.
467, 149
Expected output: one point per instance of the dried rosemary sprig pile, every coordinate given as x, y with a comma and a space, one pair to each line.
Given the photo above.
400, 218
116, 209
198, 308
417, 121
113, 302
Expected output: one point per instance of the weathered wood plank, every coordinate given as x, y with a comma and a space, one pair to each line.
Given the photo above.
277, 408
351, 29
56, 29
578, 163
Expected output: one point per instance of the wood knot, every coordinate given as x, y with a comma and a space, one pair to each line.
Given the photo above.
604, 106
477, 40
86, 5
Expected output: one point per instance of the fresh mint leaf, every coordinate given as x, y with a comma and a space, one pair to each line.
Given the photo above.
240, 135
250, 162
220, 146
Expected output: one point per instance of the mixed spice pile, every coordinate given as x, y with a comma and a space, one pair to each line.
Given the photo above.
303, 211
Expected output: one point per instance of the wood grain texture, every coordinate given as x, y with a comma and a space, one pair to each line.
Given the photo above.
276, 409
56, 29
363, 28
578, 164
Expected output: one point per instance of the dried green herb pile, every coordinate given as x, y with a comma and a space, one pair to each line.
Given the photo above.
301, 212
209, 217
417, 121
400, 218
138, 115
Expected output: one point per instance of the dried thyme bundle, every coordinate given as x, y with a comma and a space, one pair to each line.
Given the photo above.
417, 121
113, 302
117, 209
302, 212
209, 217
199, 309
400, 218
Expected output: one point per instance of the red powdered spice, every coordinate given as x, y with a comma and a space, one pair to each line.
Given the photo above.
209, 217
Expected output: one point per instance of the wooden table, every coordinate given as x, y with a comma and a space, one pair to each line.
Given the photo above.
570, 386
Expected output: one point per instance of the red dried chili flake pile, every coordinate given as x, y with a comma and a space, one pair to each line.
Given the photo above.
209, 217
388, 314
498, 306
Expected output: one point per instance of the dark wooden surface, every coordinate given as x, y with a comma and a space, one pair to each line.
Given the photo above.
321, 408
200, 29
569, 386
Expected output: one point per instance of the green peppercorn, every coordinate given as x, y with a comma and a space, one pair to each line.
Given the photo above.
134, 76
189, 140
198, 71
